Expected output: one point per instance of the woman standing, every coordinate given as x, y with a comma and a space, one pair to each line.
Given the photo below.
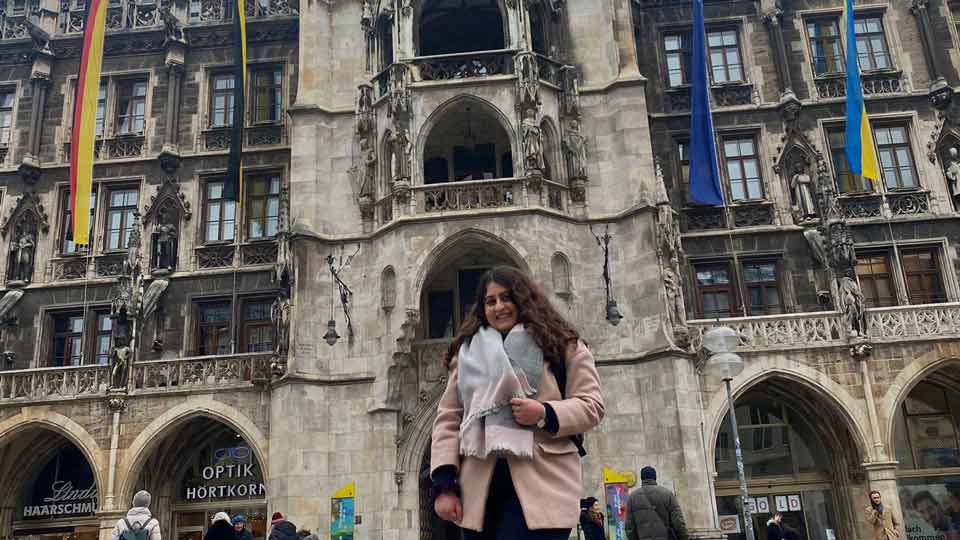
504, 465
591, 520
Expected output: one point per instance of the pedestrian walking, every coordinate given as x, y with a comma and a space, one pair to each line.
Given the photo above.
775, 529
504, 465
653, 512
281, 529
241, 532
591, 519
220, 528
881, 520
138, 523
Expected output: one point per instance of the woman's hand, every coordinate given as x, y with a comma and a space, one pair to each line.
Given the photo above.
527, 412
448, 507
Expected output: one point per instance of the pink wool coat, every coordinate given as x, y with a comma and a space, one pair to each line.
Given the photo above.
550, 485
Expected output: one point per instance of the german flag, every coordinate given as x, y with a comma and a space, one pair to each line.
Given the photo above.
233, 187
83, 137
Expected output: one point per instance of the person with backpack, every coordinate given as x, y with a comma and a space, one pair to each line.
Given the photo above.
653, 512
139, 523
522, 385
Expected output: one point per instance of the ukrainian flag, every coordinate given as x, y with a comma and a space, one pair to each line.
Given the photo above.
861, 153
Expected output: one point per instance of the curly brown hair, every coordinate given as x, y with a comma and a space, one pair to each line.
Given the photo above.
549, 329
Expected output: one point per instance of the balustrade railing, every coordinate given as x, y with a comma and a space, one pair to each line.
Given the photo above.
201, 372
54, 383
222, 10
469, 195
121, 15
880, 83
827, 328
464, 65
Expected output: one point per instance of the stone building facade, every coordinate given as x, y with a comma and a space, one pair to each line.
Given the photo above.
257, 357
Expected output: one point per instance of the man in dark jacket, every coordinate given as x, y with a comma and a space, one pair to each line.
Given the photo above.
775, 530
281, 528
653, 512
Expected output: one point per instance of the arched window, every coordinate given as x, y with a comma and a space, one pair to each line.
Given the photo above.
467, 143
538, 31
385, 41
388, 289
551, 162
455, 26
561, 274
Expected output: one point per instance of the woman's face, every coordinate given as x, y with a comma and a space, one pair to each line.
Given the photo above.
498, 307
596, 506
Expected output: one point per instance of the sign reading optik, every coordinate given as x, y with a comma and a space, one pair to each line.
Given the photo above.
227, 482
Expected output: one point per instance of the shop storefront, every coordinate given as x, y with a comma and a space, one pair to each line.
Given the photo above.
787, 469
223, 476
928, 453
59, 503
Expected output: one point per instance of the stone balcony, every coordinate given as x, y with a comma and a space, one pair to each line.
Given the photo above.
472, 196
54, 384
826, 328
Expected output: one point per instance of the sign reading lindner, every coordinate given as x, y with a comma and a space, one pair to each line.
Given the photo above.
65, 488
233, 474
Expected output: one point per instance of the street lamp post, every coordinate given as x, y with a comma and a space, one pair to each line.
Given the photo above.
726, 364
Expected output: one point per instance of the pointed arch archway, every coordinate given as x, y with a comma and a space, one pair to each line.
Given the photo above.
803, 445
43, 453
450, 273
468, 136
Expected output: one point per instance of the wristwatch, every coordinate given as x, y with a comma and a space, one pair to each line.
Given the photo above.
542, 422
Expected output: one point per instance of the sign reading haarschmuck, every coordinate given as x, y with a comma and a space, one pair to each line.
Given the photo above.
64, 500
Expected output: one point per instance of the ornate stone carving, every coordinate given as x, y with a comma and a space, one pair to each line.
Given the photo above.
398, 92
732, 95
22, 257
528, 81
168, 193
27, 207
280, 317
532, 143
575, 150
802, 192
164, 242
401, 152
953, 177
570, 96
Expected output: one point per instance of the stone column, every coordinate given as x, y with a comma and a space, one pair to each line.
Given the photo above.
919, 9
771, 19
882, 477
623, 34
861, 353
39, 84
174, 83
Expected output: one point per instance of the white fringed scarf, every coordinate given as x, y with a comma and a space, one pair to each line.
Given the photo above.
492, 371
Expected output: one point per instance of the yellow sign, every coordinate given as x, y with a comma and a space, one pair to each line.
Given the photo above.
346, 491
616, 477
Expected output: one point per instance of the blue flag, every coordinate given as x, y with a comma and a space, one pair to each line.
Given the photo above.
704, 169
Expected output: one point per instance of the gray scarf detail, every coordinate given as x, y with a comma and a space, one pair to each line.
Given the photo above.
492, 371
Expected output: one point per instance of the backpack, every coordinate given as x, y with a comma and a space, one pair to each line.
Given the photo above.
559, 370
141, 533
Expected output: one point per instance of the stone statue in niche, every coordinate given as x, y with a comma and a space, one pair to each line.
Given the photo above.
575, 148
280, 317
532, 143
121, 335
368, 170
400, 150
164, 244
174, 30
672, 287
953, 177
801, 188
850, 301
22, 255
119, 360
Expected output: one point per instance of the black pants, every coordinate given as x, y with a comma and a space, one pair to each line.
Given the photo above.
504, 519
